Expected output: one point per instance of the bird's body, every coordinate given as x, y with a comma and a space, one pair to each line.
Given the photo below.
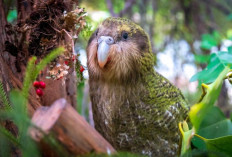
134, 108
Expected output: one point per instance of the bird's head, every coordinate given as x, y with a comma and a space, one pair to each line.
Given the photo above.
119, 50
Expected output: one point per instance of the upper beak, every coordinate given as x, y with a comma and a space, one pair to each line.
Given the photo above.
104, 43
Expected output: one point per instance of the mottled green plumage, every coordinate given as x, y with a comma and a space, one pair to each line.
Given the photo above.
134, 108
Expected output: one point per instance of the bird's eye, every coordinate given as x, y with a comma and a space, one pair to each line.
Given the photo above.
124, 35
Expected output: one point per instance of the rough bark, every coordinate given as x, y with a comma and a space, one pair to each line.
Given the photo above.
35, 19
16, 47
223, 100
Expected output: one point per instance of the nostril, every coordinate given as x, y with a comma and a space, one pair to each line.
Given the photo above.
111, 40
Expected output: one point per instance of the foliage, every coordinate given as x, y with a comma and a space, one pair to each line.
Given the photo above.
22, 121
80, 95
186, 137
3, 98
15, 109
88, 30
202, 58
218, 62
33, 70
211, 129
210, 40
210, 95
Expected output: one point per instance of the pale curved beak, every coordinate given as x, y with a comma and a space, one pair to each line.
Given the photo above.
104, 43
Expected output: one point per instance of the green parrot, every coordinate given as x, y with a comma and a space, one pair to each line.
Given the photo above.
134, 107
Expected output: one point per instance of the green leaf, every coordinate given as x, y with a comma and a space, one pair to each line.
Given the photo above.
21, 119
4, 145
216, 121
186, 139
202, 58
218, 62
18, 114
230, 49
225, 57
212, 70
28, 80
201, 109
213, 116
9, 135
4, 98
229, 34
229, 17
219, 129
222, 144
12, 15
80, 94
217, 37
208, 41
222, 128
206, 153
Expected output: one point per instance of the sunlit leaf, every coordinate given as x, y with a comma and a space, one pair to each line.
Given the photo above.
213, 125
199, 110
218, 62
229, 34
221, 145
186, 139
213, 116
202, 58
219, 129
208, 41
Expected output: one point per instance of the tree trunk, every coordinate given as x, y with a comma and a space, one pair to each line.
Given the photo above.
40, 29
19, 42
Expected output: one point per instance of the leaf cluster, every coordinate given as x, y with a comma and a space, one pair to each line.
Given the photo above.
211, 133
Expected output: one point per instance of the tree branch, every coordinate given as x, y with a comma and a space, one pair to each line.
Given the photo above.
3, 35
24, 9
128, 5
111, 9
